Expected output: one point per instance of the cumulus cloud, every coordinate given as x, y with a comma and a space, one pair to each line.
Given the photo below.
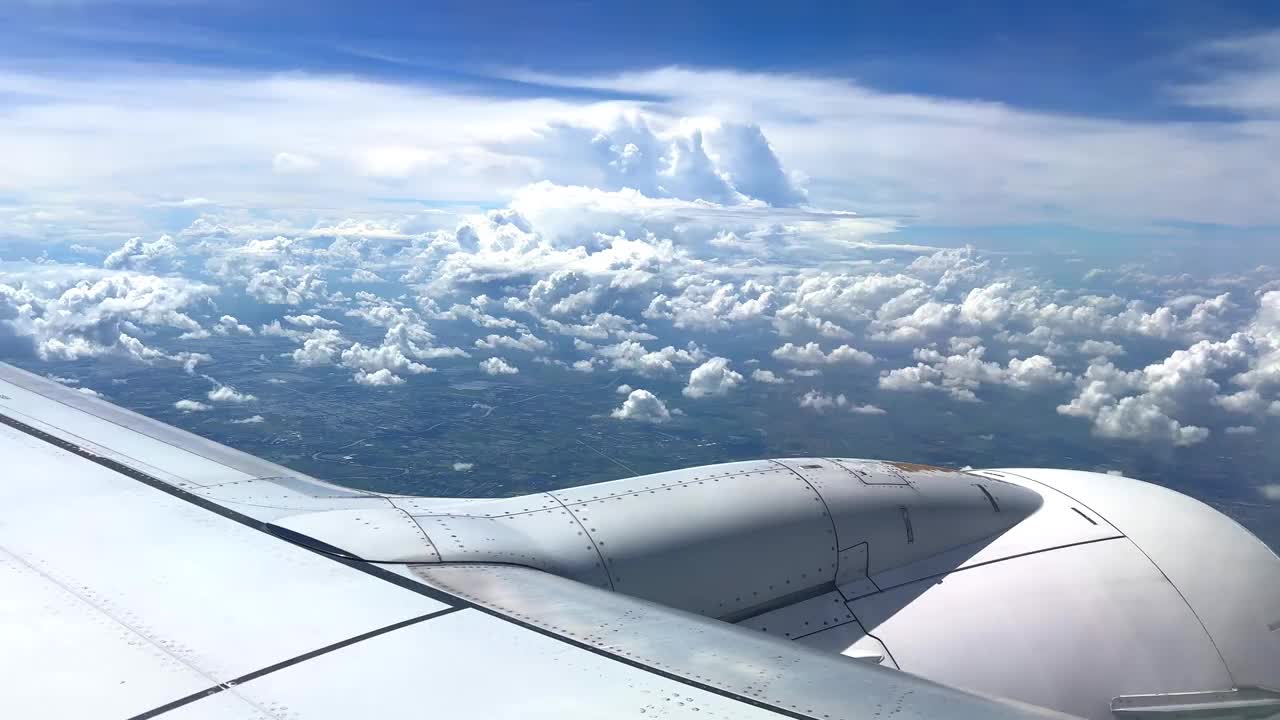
821, 402
229, 325
382, 377
160, 254
767, 377
191, 406
712, 378
463, 466
1146, 404
498, 366
811, 354
961, 375
226, 393
311, 321
251, 420
525, 342
642, 406
631, 355
75, 313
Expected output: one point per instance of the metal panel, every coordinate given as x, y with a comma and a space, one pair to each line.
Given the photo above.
1228, 577
853, 565
849, 640
385, 534
660, 481
550, 540
214, 594
744, 663
718, 545
803, 617
872, 472
166, 451
910, 512
464, 665
269, 499
1081, 625
1059, 522
63, 657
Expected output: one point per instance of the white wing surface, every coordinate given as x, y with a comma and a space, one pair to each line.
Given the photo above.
142, 574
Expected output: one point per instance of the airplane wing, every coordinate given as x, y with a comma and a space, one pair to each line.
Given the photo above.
146, 572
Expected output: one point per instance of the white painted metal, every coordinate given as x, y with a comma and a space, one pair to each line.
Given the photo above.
115, 432
751, 664
193, 589
850, 640
1237, 703
383, 534
716, 545
1069, 629
906, 512
60, 656
1228, 577
802, 618
550, 540
1060, 521
491, 669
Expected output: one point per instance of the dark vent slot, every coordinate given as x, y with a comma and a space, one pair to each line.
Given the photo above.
906, 520
990, 498
1086, 517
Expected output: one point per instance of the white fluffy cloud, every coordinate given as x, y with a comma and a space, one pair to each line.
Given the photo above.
712, 378
642, 406
811, 354
961, 375
191, 406
498, 366
767, 377
821, 402
70, 313
226, 393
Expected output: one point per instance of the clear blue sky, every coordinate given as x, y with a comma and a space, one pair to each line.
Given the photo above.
1097, 58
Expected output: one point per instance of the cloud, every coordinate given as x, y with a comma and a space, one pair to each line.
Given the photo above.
962, 374
463, 466
624, 389
767, 377
525, 342
631, 355
191, 406
811, 354
138, 255
320, 347
68, 313
1145, 404
498, 366
1241, 430
311, 321
251, 420
821, 402
378, 378
712, 378
88, 391
226, 393
229, 325
642, 406
1103, 348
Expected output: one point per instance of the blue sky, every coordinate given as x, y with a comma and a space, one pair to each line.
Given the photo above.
137, 116
1107, 58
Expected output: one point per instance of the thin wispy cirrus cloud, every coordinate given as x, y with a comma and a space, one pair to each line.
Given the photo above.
680, 244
